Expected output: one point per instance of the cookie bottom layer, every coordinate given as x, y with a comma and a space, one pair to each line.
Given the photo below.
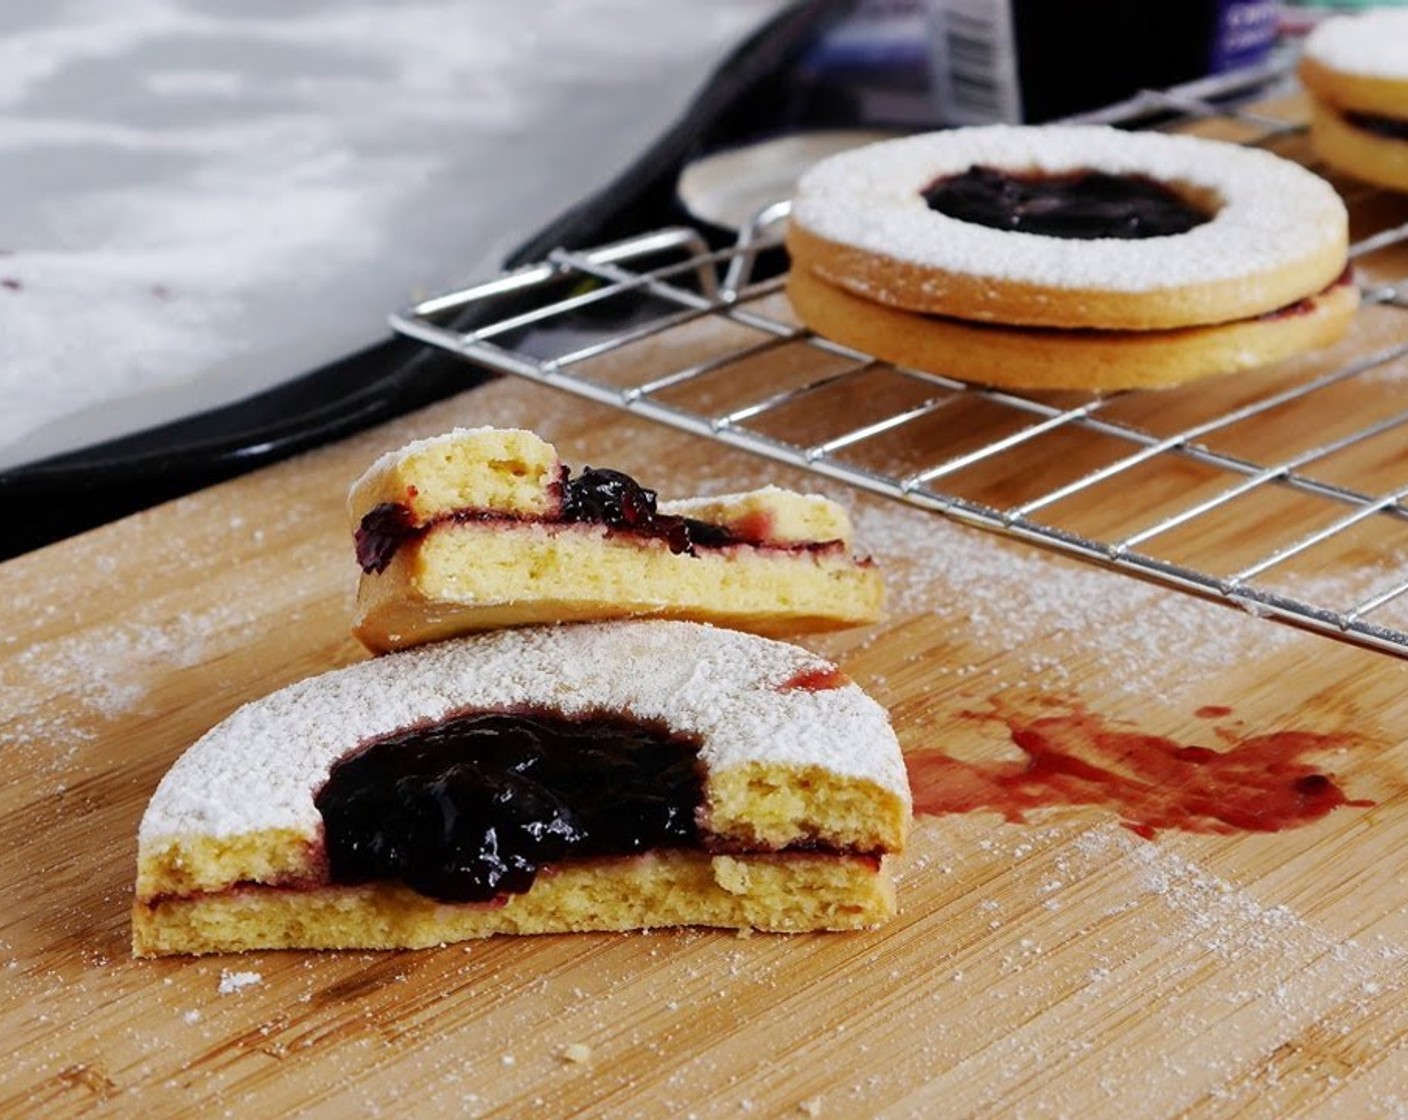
470, 576
1381, 160
784, 893
891, 281
1038, 358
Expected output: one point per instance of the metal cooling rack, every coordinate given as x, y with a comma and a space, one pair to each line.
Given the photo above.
552, 321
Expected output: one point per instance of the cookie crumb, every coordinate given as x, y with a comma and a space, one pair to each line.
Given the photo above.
235, 981
810, 1107
577, 1053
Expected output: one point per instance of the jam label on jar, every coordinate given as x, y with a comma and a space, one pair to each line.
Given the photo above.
1245, 32
975, 73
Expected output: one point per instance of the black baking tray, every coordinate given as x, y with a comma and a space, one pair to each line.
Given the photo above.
759, 89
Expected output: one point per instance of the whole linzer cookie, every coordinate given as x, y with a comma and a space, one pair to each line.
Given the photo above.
1356, 68
1071, 257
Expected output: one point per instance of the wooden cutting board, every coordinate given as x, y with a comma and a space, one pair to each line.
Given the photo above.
1082, 956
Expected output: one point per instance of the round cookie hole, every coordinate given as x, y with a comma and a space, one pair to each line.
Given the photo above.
1086, 204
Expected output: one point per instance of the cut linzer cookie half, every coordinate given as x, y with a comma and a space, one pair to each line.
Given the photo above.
1356, 68
604, 776
1069, 257
484, 528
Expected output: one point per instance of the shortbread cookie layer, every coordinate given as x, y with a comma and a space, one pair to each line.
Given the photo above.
1276, 234
481, 529
1375, 158
791, 893
800, 784
1039, 358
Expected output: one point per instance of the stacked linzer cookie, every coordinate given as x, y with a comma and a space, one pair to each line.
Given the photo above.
1069, 257
1356, 68
578, 728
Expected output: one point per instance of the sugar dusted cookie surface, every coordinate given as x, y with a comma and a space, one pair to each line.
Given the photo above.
1277, 232
802, 794
485, 528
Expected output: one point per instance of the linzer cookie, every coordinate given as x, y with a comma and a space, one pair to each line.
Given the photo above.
485, 528
1356, 68
1069, 257
595, 777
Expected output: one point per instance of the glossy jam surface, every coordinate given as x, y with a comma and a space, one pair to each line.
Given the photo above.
1082, 205
1391, 128
382, 531
472, 808
615, 499
815, 680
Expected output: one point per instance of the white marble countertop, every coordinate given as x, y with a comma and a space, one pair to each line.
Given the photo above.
249, 186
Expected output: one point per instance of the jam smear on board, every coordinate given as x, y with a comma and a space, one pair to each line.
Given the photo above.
1255, 783
470, 809
1081, 205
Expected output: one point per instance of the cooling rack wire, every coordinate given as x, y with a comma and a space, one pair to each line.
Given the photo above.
1282, 493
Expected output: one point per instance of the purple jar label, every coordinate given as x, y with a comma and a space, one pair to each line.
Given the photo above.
1245, 33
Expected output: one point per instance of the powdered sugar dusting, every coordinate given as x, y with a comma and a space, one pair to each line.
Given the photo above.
1053, 617
260, 768
238, 981
102, 673
1274, 213
397, 455
1374, 44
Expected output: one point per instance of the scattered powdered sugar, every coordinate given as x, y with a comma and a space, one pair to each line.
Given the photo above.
102, 673
440, 441
1053, 615
1373, 43
238, 981
1160, 981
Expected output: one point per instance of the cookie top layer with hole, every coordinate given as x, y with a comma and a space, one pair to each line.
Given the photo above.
1276, 232
767, 716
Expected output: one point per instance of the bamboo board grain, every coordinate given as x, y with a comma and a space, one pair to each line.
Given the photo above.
1060, 966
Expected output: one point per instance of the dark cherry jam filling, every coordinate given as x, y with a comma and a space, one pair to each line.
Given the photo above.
598, 495
383, 530
1392, 128
472, 808
613, 498
1082, 205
